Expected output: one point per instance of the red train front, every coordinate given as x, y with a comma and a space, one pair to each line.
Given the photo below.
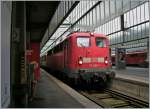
82, 56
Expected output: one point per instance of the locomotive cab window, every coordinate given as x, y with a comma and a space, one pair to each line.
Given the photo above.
100, 42
83, 41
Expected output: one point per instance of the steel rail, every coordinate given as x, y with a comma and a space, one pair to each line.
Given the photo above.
113, 99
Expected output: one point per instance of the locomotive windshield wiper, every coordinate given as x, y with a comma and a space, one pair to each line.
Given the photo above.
82, 45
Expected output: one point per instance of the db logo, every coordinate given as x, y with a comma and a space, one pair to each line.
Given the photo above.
94, 59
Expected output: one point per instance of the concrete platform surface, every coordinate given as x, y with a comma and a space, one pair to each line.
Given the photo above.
133, 73
52, 93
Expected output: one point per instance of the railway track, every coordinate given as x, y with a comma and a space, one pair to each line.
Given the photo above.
112, 99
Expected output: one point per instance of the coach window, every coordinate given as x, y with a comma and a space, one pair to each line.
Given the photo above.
133, 55
100, 42
83, 41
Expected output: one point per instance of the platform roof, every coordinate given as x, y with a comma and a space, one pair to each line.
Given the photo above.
39, 14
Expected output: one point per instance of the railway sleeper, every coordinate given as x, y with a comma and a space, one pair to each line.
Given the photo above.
130, 100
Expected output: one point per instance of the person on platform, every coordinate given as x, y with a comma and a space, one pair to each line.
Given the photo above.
33, 68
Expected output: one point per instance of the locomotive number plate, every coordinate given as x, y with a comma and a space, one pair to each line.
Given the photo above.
94, 65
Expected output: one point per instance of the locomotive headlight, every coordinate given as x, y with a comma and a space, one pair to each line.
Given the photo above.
106, 62
92, 34
80, 62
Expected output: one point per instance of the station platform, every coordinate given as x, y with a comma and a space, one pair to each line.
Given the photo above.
52, 93
133, 73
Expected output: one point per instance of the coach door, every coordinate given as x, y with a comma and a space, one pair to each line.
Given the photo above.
65, 53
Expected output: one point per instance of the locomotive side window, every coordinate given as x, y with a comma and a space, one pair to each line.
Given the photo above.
100, 42
83, 41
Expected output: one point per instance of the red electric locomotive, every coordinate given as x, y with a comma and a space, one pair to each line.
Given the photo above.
82, 56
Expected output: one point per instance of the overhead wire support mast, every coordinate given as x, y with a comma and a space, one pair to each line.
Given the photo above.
74, 23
